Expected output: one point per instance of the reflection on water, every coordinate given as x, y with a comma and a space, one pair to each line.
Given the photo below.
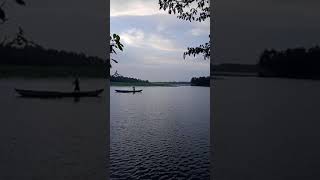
161, 133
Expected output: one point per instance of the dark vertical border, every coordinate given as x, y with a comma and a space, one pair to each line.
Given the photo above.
107, 24
212, 146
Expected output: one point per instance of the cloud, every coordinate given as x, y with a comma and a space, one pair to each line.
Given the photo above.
162, 43
199, 29
154, 42
161, 27
134, 8
137, 38
133, 37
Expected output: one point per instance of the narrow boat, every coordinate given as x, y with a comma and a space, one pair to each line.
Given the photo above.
128, 91
56, 94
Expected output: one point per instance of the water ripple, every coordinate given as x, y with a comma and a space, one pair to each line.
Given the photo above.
161, 137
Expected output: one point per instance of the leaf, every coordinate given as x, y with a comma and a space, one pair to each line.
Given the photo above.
120, 47
2, 14
113, 51
21, 2
117, 38
114, 60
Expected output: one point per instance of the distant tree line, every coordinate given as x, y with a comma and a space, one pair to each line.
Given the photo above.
21, 57
39, 56
119, 78
200, 81
292, 63
229, 67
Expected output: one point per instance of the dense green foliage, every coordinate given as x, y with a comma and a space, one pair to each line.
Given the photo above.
200, 81
293, 63
190, 10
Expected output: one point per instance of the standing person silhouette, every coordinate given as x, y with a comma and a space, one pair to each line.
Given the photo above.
134, 89
76, 83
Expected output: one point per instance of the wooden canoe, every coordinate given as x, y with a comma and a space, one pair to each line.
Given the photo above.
57, 94
128, 91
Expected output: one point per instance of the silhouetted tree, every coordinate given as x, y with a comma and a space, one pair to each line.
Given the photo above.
21, 51
116, 77
297, 63
3, 14
24, 52
190, 10
115, 44
200, 81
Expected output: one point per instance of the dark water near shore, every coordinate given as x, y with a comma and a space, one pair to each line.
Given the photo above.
162, 133
266, 128
44, 139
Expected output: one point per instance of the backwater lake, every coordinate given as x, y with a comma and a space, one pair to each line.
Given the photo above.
52, 138
264, 128
161, 133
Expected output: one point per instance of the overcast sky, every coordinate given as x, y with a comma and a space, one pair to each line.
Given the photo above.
243, 29
154, 42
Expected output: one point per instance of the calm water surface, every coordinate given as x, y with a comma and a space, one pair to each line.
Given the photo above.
161, 133
266, 128
52, 138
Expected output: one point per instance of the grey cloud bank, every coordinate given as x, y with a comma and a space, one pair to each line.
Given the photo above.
155, 41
